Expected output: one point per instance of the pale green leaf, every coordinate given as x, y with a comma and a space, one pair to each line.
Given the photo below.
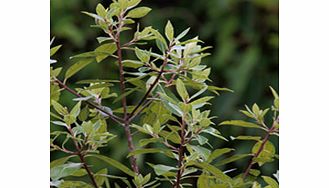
217, 153
59, 108
77, 67
115, 164
64, 170
138, 12
100, 10
270, 181
162, 169
76, 110
182, 34
213, 170
53, 50
240, 123
181, 90
169, 31
232, 159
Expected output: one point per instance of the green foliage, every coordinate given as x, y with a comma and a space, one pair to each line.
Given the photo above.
171, 114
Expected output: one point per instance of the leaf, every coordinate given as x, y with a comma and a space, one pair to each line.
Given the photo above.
115, 164
100, 10
59, 108
100, 177
256, 138
232, 159
150, 150
266, 155
60, 161
270, 181
212, 169
240, 123
59, 123
182, 34
53, 50
162, 169
144, 142
93, 15
169, 31
133, 3
275, 94
76, 110
139, 12
218, 153
64, 170
142, 55
181, 90
161, 46
77, 67
104, 51
75, 184
132, 63
200, 102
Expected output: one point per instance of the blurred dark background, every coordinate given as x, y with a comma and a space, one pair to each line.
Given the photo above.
245, 39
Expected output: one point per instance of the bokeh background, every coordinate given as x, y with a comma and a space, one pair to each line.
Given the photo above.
244, 36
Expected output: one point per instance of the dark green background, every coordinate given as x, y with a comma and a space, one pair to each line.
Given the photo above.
244, 36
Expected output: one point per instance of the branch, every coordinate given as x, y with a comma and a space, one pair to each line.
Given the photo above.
82, 159
112, 116
267, 136
131, 147
181, 154
165, 61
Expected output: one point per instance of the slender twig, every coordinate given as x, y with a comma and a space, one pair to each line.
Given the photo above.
82, 158
180, 154
112, 116
131, 147
260, 149
165, 61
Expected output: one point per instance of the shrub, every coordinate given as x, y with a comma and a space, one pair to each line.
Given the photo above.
172, 112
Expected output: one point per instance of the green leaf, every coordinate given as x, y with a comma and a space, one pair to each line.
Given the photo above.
181, 90
60, 161
144, 142
169, 31
255, 109
256, 138
151, 150
266, 155
162, 169
270, 181
76, 110
59, 108
115, 164
182, 34
100, 177
77, 67
100, 10
75, 184
53, 50
240, 123
232, 159
217, 153
133, 3
132, 64
200, 102
104, 51
139, 12
212, 169
161, 46
64, 170
93, 15
275, 94
142, 55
